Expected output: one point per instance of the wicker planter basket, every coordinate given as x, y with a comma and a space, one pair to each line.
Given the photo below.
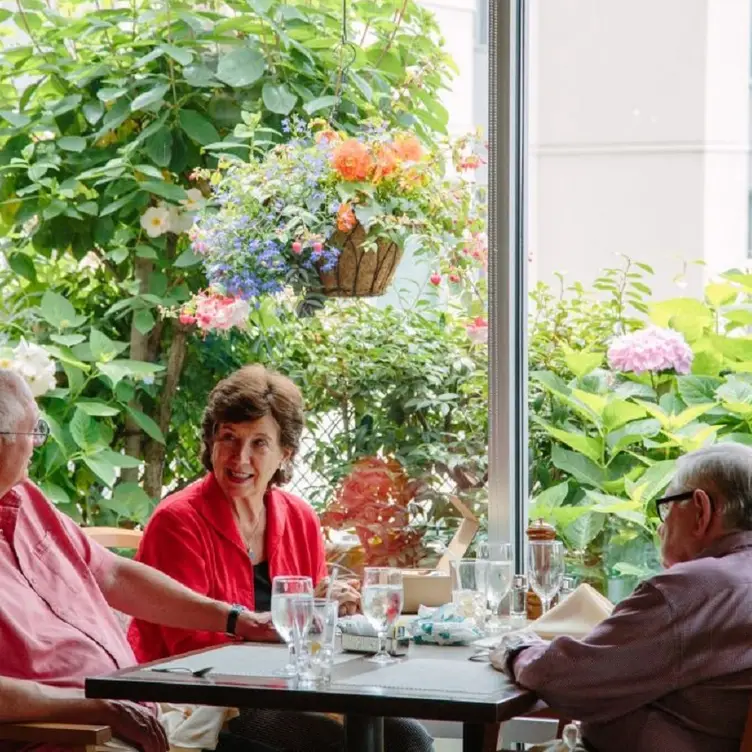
360, 273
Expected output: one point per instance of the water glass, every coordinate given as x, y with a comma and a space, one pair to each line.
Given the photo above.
381, 600
545, 569
469, 589
498, 584
284, 592
568, 586
320, 644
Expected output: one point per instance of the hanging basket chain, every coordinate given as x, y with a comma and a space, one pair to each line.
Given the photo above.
347, 54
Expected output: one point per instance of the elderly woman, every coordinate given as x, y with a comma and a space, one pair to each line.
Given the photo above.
230, 533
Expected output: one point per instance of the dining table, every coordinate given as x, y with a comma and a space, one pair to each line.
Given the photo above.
431, 683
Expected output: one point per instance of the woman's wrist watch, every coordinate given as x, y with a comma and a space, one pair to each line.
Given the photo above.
232, 618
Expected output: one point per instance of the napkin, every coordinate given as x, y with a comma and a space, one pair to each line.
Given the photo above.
575, 616
442, 626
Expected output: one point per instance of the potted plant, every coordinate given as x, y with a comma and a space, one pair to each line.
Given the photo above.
332, 213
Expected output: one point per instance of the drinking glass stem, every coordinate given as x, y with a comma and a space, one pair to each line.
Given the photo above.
544, 605
382, 642
291, 659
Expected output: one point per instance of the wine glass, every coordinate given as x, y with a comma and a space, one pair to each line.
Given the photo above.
498, 581
382, 604
545, 569
285, 590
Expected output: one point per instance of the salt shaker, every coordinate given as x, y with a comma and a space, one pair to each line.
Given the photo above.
518, 599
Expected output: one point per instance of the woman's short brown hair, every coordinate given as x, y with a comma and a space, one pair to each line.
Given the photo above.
247, 395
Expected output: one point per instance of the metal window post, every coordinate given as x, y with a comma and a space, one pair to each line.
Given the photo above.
508, 439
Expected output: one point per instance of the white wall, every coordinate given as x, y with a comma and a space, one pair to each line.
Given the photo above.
640, 136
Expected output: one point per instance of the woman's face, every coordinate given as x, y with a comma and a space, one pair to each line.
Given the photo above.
246, 455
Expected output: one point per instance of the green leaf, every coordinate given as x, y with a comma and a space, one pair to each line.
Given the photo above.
578, 466
199, 76
652, 482
187, 258
84, 430
144, 321
59, 311
178, 54
117, 370
120, 460
241, 67
738, 348
584, 530
618, 412
72, 143
629, 510
97, 408
93, 111
698, 390
543, 505
197, 127
103, 349
583, 362
55, 493
320, 103
146, 252
720, 294
23, 265
159, 147
65, 356
16, 119
68, 340
146, 424
166, 190
663, 313
278, 98
108, 93
632, 433
102, 469
589, 446
149, 97
130, 501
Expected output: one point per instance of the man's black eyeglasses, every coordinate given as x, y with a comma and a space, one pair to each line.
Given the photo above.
40, 433
661, 505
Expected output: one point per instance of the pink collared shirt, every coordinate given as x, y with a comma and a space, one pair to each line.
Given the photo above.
55, 625
670, 670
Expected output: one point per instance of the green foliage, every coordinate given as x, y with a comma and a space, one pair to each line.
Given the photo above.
606, 442
105, 113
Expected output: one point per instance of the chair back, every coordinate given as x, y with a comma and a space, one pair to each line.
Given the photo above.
747, 737
114, 537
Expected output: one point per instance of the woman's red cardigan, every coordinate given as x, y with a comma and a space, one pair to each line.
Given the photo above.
192, 536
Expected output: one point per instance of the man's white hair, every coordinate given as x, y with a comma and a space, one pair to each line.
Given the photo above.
724, 472
15, 397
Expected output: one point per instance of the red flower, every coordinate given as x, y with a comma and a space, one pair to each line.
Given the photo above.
435, 278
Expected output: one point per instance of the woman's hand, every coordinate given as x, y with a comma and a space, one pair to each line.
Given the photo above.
344, 591
256, 627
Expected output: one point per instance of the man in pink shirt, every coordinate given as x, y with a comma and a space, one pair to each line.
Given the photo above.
671, 668
57, 592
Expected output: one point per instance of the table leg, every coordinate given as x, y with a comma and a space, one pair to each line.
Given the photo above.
480, 737
364, 733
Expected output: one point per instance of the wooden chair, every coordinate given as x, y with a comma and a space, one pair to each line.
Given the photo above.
74, 737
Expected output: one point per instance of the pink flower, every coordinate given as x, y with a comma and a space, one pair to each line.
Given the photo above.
212, 311
435, 278
297, 247
317, 247
478, 330
651, 349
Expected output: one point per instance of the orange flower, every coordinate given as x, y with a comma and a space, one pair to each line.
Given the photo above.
408, 148
346, 219
386, 163
326, 136
352, 160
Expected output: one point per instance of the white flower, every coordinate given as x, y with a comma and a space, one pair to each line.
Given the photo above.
34, 364
90, 261
156, 221
179, 221
194, 201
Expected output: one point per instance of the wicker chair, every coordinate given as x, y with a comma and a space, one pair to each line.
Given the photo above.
74, 737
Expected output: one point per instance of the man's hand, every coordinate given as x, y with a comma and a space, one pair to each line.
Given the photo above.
136, 725
346, 592
256, 627
503, 655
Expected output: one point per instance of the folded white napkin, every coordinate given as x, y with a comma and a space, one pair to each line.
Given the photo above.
193, 727
575, 616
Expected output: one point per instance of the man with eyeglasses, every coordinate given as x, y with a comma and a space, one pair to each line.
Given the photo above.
671, 669
57, 592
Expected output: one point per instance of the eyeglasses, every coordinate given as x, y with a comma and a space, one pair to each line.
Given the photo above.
661, 505
40, 433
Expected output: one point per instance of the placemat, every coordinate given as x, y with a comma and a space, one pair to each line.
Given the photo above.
433, 675
239, 660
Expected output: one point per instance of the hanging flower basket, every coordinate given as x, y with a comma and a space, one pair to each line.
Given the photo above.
361, 271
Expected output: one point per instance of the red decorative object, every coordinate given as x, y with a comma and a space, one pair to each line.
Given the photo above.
374, 499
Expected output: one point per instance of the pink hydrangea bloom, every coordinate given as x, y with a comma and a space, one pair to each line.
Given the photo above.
650, 349
478, 330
